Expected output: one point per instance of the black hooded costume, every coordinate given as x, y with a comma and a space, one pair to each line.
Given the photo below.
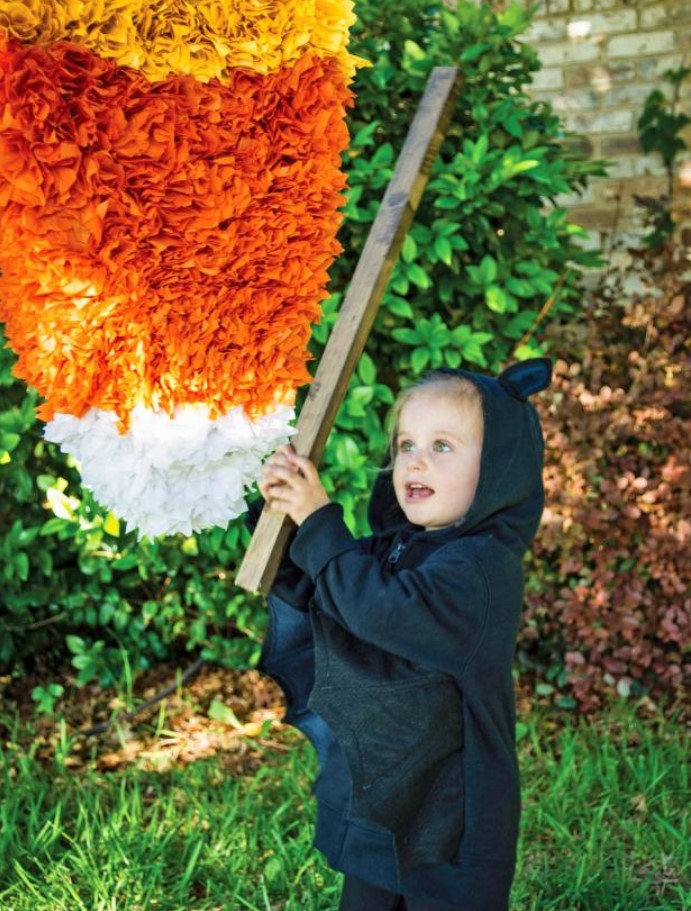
395, 654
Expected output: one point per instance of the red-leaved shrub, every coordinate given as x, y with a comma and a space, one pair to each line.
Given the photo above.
608, 601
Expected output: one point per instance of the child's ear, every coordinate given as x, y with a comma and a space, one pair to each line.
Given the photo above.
526, 377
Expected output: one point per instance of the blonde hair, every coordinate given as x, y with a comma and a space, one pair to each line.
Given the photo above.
461, 388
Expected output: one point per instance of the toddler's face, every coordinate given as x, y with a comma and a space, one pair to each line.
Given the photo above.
437, 464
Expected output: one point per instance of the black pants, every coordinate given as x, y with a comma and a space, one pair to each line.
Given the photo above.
358, 896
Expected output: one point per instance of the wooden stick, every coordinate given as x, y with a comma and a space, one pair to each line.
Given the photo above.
349, 335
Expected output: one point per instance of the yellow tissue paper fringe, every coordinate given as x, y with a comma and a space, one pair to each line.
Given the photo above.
201, 38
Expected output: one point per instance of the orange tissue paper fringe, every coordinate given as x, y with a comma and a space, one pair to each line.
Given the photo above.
170, 193
165, 244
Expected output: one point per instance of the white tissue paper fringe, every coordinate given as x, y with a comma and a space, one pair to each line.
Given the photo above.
168, 475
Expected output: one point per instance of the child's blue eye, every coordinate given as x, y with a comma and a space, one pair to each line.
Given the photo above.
441, 446
405, 446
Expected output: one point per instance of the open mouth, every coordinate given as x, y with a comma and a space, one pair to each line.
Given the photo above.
415, 492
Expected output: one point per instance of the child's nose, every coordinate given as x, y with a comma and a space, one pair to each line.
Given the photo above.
418, 460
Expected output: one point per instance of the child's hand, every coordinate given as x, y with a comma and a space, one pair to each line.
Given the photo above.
291, 485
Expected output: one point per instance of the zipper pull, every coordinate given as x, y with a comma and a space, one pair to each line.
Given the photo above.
395, 554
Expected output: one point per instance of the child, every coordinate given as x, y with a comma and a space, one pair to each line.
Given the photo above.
395, 651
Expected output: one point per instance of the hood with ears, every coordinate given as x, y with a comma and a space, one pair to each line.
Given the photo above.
509, 498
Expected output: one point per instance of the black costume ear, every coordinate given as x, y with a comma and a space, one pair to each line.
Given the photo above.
526, 377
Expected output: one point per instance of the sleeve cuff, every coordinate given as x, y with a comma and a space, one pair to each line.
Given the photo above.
321, 537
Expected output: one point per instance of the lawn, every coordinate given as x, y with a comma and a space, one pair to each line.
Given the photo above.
605, 826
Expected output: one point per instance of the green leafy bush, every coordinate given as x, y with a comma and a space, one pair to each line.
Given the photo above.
660, 129
488, 256
73, 580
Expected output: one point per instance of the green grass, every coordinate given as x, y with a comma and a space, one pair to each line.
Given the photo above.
605, 828
189, 838
606, 824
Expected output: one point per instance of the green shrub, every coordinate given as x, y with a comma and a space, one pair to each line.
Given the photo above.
486, 253
660, 129
487, 256
73, 579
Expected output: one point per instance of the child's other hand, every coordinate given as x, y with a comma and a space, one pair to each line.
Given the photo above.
291, 485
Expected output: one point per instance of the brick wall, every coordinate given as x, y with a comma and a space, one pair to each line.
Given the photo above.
601, 59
